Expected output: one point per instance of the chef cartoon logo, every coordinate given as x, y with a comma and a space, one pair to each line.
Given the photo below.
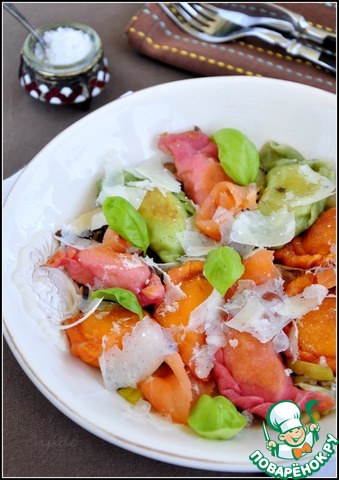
294, 442
297, 440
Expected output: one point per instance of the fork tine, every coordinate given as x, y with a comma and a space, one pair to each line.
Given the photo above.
205, 10
193, 13
169, 9
205, 32
189, 16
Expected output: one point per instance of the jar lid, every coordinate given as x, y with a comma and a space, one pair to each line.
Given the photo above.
78, 64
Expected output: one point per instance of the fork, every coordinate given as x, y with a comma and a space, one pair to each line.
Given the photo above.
284, 20
214, 29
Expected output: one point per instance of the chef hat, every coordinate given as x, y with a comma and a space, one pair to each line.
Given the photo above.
284, 416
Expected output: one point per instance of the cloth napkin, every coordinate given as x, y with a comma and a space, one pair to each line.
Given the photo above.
152, 33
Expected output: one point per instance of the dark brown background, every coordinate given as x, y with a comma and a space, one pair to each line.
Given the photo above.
38, 440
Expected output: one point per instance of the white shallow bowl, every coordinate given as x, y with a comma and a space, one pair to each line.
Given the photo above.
59, 184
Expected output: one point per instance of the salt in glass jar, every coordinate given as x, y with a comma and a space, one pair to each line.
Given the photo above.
73, 68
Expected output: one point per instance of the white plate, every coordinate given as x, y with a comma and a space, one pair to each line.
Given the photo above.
59, 184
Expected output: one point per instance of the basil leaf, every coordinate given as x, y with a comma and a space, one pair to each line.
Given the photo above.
124, 219
222, 268
125, 298
238, 156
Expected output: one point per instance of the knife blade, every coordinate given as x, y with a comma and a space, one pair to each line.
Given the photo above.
273, 448
266, 435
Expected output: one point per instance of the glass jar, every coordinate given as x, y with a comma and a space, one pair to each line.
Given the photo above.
70, 83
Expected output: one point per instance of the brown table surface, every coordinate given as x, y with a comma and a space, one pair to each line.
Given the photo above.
39, 440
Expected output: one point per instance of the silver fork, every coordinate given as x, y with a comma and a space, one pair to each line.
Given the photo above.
214, 29
242, 19
282, 19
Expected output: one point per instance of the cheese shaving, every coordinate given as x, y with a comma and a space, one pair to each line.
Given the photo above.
82, 224
143, 351
207, 317
254, 228
195, 243
92, 308
173, 293
134, 195
264, 310
161, 177
318, 187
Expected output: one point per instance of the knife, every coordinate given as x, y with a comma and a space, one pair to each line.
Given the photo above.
295, 48
267, 438
309, 32
266, 435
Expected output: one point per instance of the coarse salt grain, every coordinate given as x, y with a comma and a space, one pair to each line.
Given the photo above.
65, 45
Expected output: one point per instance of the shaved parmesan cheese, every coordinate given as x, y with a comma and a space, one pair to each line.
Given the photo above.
161, 177
280, 342
195, 243
82, 223
92, 307
114, 174
293, 341
264, 310
222, 216
207, 317
68, 237
134, 195
98, 220
144, 184
299, 305
225, 233
173, 293
143, 351
74, 234
225, 229
113, 183
254, 228
318, 188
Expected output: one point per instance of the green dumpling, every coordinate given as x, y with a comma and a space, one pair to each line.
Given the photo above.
273, 154
298, 188
165, 216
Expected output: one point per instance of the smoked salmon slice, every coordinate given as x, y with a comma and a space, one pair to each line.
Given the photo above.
196, 162
103, 267
197, 289
169, 390
117, 242
228, 199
